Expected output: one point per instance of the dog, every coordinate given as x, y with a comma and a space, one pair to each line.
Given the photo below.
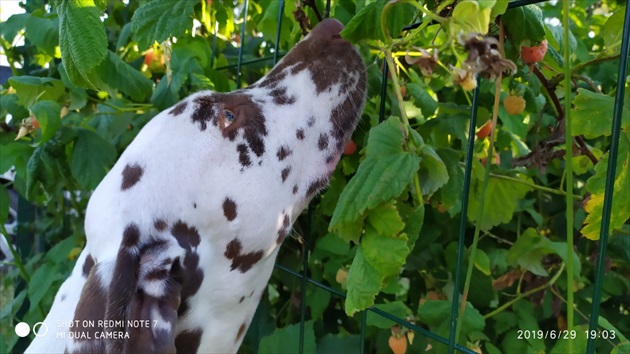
183, 232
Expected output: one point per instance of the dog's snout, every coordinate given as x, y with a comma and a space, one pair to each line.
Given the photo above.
329, 28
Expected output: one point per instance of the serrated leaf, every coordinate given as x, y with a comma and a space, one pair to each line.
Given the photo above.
469, 16
503, 192
159, 20
82, 39
384, 174
422, 99
524, 23
385, 254
366, 24
432, 174
593, 114
414, 220
363, 282
596, 186
29, 89
92, 157
119, 75
48, 115
385, 219
396, 308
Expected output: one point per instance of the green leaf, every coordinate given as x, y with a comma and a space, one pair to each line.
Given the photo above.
41, 282
9, 103
377, 258
436, 314
82, 39
385, 219
621, 348
432, 174
482, 261
363, 282
500, 192
286, 340
469, 16
450, 194
43, 31
384, 174
29, 89
613, 28
159, 20
596, 186
530, 247
385, 254
48, 165
593, 114
48, 115
119, 75
92, 157
396, 308
414, 220
524, 23
422, 99
366, 24
499, 8
10, 28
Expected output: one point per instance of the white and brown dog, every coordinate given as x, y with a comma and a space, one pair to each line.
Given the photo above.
183, 232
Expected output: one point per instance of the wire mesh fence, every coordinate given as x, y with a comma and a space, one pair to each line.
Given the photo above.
455, 309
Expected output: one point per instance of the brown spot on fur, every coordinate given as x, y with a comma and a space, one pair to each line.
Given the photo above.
87, 265
322, 142
179, 109
160, 225
243, 155
242, 262
188, 341
229, 209
283, 152
299, 134
241, 300
186, 236
131, 236
282, 233
280, 96
285, 173
240, 332
130, 176
295, 189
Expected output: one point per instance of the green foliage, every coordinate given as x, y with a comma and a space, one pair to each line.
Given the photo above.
385, 232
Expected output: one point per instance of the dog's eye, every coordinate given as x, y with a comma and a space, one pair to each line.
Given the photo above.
229, 116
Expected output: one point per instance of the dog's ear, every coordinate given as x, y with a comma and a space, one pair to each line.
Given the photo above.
151, 308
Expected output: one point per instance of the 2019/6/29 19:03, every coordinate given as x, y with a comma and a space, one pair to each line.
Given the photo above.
564, 334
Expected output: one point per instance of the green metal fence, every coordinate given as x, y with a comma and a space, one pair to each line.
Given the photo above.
452, 346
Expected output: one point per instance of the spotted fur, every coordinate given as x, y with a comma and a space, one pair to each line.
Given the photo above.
184, 230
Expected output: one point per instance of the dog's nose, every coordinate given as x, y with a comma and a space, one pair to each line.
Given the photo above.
328, 28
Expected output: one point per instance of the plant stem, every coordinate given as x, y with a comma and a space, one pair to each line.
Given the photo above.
16, 256
525, 294
568, 167
535, 186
